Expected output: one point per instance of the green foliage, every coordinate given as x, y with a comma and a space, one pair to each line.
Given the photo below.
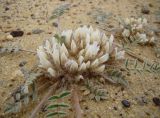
22, 95
61, 95
54, 106
55, 114
60, 39
145, 67
94, 91
55, 109
128, 43
117, 77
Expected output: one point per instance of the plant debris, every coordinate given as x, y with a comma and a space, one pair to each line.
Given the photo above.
60, 10
22, 95
156, 101
100, 16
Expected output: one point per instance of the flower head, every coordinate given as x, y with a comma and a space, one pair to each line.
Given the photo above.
83, 50
134, 28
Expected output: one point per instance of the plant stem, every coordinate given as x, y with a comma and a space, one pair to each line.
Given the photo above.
47, 84
45, 98
76, 105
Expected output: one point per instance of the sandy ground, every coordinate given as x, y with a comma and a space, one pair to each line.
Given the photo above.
28, 15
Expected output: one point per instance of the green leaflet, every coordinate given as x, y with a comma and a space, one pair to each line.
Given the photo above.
151, 68
54, 106
54, 97
53, 114
117, 77
95, 91
62, 95
60, 39
66, 93
54, 109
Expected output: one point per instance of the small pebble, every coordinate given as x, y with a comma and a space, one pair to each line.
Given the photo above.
33, 16
13, 80
22, 63
37, 31
10, 85
89, 13
156, 101
49, 32
125, 103
29, 33
115, 108
75, 5
6, 9
3, 94
142, 100
9, 37
55, 24
145, 9
86, 108
97, 22
17, 33
150, 5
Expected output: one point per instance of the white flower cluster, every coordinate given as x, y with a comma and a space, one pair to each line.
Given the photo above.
135, 28
83, 50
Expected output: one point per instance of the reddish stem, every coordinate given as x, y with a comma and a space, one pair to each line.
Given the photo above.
45, 98
76, 105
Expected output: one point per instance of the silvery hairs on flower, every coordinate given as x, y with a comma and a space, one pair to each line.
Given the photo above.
82, 50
